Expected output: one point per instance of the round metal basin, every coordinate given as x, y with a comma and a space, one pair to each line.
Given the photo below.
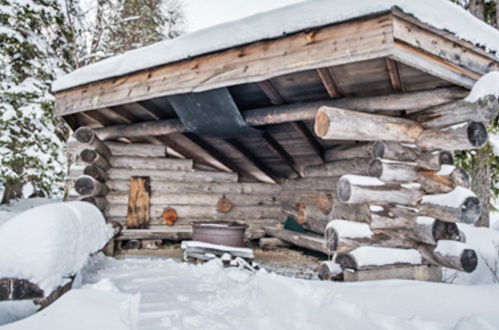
221, 232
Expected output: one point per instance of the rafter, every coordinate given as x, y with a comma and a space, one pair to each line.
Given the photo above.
303, 130
279, 150
393, 72
330, 82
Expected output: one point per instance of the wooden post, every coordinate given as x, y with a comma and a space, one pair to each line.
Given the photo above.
138, 203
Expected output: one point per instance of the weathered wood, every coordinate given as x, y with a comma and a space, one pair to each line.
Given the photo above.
392, 171
320, 183
359, 166
173, 176
138, 210
87, 186
94, 158
395, 272
323, 200
330, 271
459, 205
137, 149
271, 243
483, 110
96, 172
399, 151
148, 163
19, 289
339, 124
310, 217
101, 202
394, 74
54, 295
433, 160
451, 254
303, 240
224, 205
169, 216
361, 150
349, 261
464, 136
88, 139
329, 81
357, 189
443, 182
176, 233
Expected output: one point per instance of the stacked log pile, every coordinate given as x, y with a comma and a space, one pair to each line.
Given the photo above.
408, 197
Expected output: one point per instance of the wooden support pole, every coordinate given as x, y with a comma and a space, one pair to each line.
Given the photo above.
339, 124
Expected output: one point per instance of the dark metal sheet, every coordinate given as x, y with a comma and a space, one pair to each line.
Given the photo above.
212, 113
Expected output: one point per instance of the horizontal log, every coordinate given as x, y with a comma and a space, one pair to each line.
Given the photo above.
156, 232
173, 176
302, 240
339, 124
317, 184
361, 150
399, 151
330, 271
451, 254
443, 181
366, 257
271, 243
202, 211
100, 202
465, 136
459, 205
148, 163
293, 112
359, 166
87, 137
137, 149
360, 189
205, 199
87, 186
392, 171
93, 157
482, 110
434, 160
399, 272
96, 172
201, 187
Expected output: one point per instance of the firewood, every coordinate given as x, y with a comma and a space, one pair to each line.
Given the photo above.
459, 205
169, 216
443, 181
101, 202
361, 150
366, 257
392, 171
330, 271
434, 160
464, 136
451, 254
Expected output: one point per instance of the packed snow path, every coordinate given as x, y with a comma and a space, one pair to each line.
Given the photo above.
176, 295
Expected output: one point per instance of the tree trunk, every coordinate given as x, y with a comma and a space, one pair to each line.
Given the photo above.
13, 189
477, 8
481, 183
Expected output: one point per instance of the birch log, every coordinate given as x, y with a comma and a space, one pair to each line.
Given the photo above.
339, 124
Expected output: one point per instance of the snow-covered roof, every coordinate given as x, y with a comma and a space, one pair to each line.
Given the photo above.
440, 14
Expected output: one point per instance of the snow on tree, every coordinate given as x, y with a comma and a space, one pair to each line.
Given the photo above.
31, 137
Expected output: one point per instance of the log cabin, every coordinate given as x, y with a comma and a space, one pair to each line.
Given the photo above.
341, 114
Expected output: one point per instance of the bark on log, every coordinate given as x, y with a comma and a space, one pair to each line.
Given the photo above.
87, 137
100, 202
303, 240
364, 150
392, 171
451, 254
459, 205
159, 164
94, 158
138, 211
398, 151
357, 189
317, 184
96, 172
443, 181
433, 160
173, 176
87, 186
137, 149
339, 124
483, 110
271, 243
358, 166
396, 272
471, 135
330, 271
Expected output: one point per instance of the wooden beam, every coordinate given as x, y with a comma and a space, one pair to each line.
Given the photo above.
257, 162
394, 74
342, 43
278, 149
301, 128
272, 93
330, 83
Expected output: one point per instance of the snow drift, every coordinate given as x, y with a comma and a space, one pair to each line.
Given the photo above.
51, 242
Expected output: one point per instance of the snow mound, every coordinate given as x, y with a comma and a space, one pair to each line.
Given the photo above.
486, 85
452, 199
350, 229
98, 306
441, 14
48, 243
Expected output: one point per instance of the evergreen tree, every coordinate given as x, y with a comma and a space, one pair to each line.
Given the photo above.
31, 138
143, 22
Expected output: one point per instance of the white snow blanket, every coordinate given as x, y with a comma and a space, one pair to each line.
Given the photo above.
441, 14
48, 243
98, 306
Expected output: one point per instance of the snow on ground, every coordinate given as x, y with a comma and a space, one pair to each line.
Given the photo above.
8, 211
97, 306
48, 243
177, 295
441, 14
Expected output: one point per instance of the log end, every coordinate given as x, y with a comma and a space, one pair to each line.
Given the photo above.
321, 125
375, 168
477, 134
85, 185
471, 210
469, 260
344, 190
378, 150
489, 107
446, 158
88, 155
346, 261
84, 134
443, 230
331, 237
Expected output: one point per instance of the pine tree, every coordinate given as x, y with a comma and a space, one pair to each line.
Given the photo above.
143, 22
31, 137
